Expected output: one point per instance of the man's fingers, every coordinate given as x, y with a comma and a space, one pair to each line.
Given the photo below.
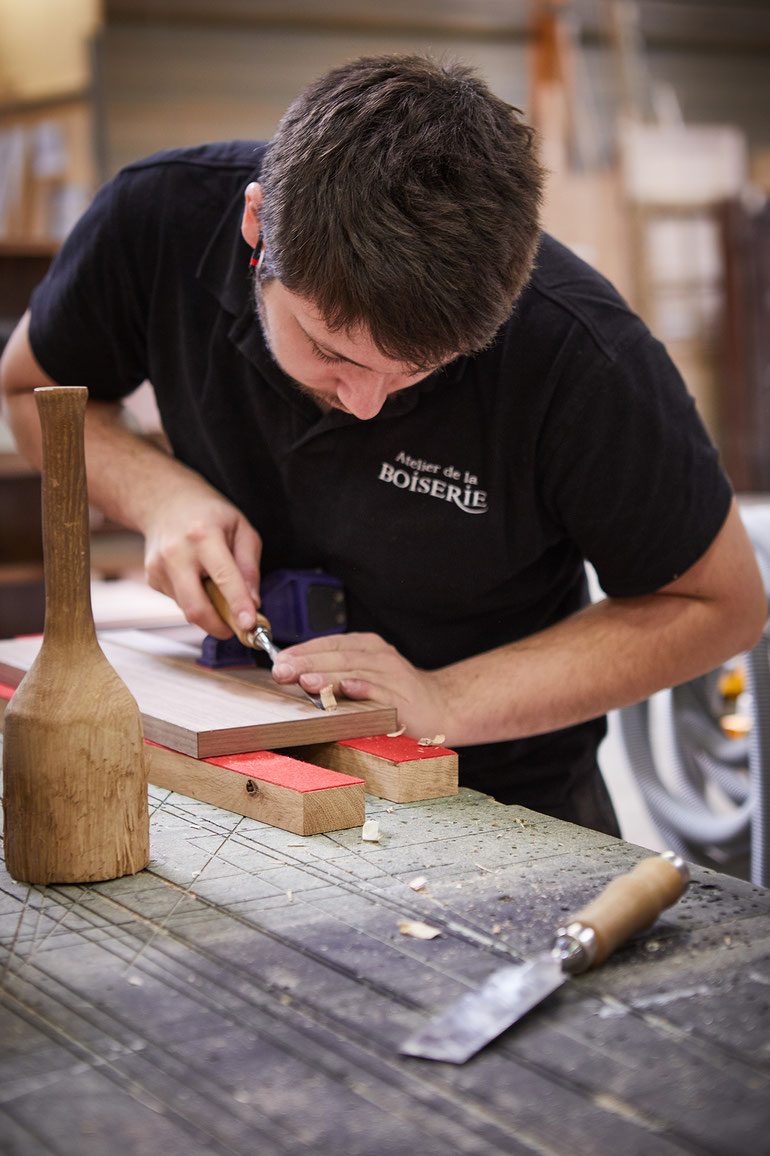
234, 591
343, 659
316, 682
198, 533
196, 605
340, 644
351, 686
358, 688
182, 575
247, 552
352, 672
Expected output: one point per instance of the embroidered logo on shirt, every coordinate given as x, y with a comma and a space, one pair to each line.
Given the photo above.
446, 483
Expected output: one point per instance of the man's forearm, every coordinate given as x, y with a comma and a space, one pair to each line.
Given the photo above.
605, 657
617, 651
129, 474
126, 472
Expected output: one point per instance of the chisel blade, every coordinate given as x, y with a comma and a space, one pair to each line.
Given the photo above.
259, 637
481, 1015
628, 904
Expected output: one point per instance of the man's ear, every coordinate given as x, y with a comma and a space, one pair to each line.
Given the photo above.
251, 225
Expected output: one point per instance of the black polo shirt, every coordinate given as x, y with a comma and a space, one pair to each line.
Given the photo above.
459, 518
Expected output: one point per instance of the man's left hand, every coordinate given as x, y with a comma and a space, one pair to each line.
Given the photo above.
364, 666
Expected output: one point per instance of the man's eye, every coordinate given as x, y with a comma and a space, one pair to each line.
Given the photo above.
325, 356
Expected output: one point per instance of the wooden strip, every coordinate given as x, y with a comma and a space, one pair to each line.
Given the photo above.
275, 789
206, 713
392, 768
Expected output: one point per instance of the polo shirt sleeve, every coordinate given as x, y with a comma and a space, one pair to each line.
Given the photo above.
630, 473
88, 324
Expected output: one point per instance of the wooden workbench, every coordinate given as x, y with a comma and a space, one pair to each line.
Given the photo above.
247, 994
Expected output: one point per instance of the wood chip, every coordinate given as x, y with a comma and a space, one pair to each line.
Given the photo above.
418, 930
395, 734
418, 884
436, 741
328, 701
370, 832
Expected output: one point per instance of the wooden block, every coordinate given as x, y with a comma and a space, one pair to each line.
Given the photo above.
395, 768
273, 788
206, 713
285, 792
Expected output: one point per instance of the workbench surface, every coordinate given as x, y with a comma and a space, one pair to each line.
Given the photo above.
248, 992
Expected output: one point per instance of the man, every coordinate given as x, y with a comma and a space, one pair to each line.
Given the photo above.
436, 404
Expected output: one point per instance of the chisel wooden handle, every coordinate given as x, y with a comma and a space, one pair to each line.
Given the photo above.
218, 601
631, 903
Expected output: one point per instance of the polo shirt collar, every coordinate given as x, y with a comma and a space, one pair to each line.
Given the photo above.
224, 267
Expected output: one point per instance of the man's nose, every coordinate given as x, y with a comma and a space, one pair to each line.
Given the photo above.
364, 397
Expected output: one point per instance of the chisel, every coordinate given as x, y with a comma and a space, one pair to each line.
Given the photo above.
628, 904
259, 637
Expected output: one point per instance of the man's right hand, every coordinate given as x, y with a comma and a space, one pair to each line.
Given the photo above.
196, 532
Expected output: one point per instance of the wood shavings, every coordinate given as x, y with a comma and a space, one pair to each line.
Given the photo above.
370, 832
418, 930
395, 734
328, 701
436, 741
418, 884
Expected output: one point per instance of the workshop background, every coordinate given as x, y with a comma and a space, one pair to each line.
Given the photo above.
655, 129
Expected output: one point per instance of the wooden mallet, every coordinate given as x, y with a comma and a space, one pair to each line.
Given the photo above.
75, 775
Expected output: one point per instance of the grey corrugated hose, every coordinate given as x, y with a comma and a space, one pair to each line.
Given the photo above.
708, 795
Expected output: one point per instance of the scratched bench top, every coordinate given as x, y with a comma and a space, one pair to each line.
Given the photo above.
247, 993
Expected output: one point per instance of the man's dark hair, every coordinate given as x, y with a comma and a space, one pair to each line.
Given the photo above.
401, 195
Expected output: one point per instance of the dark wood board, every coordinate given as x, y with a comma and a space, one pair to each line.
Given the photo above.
203, 712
